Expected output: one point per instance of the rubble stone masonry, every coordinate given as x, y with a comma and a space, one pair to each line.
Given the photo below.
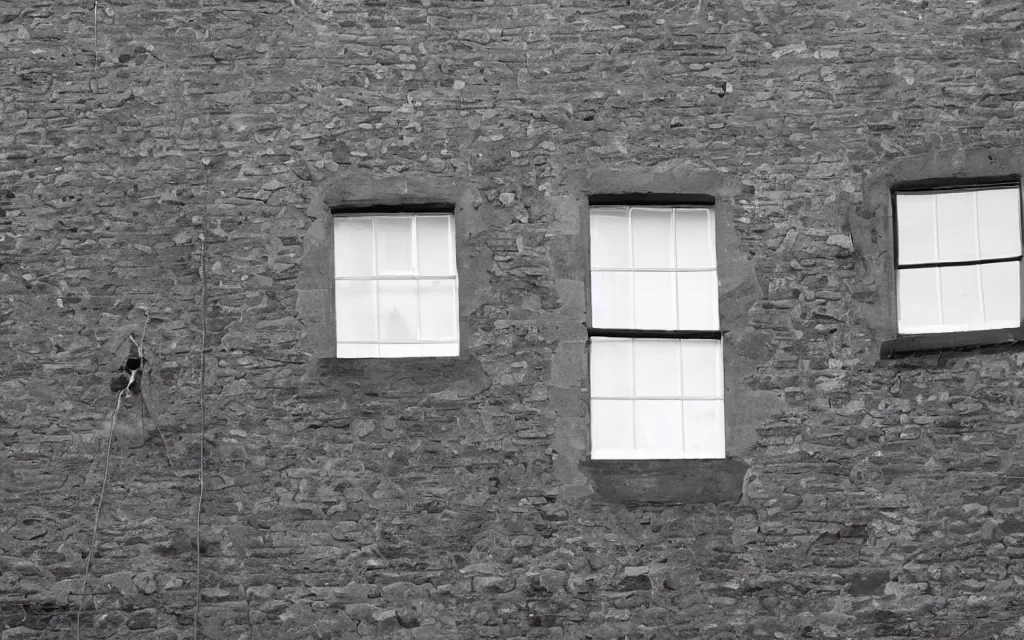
863, 497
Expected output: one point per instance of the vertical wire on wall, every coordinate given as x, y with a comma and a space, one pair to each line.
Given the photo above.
106, 473
99, 508
202, 402
95, 34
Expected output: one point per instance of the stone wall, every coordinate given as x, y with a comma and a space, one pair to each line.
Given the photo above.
451, 499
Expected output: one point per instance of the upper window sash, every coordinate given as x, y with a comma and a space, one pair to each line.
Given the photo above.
397, 246
653, 268
957, 227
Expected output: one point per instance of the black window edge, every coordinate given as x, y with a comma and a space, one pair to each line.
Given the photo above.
956, 340
956, 263
410, 207
945, 185
651, 333
657, 199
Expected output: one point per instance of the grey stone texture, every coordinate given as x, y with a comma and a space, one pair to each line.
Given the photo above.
864, 497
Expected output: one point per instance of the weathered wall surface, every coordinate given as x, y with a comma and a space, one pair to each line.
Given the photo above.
446, 500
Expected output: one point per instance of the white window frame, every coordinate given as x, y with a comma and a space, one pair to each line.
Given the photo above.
377, 346
659, 410
928, 270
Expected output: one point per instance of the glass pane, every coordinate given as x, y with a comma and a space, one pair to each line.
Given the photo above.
698, 300
652, 237
353, 247
398, 309
702, 368
410, 350
349, 350
611, 367
1000, 284
654, 300
915, 231
609, 237
695, 239
611, 428
999, 223
704, 428
956, 221
433, 246
394, 245
439, 350
355, 310
659, 428
918, 301
612, 296
438, 310
960, 291
656, 368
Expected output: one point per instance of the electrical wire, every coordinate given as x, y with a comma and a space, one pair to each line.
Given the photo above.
106, 475
202, 406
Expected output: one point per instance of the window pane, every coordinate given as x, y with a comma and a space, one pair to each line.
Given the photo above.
999, 223
439, 350
398, 309
438, 310
918, 302
704, 428
656, 367
346, 350
353, 247
695, 239
702, 368
409, 350
611, 428
612, 296
394, 245
609, 237
956, 221
915, 231
960, 290
611, 367
655, 300
1000, 284
433, 246
355, 310
698, 300
659, 428
652, 238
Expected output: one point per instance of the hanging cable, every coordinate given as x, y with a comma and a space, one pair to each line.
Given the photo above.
202, 403
106, 474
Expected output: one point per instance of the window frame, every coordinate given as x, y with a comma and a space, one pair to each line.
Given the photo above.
905, 343
411, 209
683, 201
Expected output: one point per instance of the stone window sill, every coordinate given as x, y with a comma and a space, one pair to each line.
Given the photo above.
904, 345
459, 377
427, 366
666, 481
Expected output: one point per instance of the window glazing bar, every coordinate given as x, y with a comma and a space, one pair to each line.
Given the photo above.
684, 334
653, 269
695, 398
391, 277
959, 263
408, 341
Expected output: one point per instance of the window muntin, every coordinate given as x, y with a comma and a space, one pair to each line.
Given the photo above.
396, 286
657, 386
958, 260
